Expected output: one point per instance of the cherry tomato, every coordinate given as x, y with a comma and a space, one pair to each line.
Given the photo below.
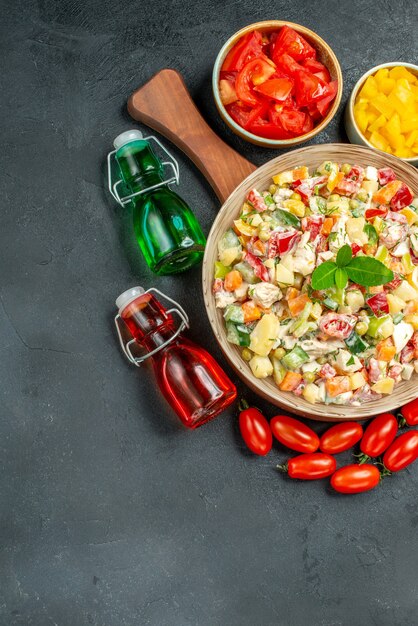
337, 325
378, 436
294, 434
310, 466
355, 478
410, 413
402, 452
255, 430
341, 437
253, 73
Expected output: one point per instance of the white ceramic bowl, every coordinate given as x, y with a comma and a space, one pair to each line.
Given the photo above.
354, 133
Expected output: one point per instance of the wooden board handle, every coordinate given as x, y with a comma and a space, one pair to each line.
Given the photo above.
165, 105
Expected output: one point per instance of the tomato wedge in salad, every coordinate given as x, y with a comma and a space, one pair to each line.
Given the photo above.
274, 86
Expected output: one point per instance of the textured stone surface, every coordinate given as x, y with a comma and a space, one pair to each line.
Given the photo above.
111, 515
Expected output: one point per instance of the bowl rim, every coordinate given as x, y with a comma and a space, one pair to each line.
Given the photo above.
242, 132
356, 89
286, 401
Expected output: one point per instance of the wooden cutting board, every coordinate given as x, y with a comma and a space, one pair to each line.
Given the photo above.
164, 104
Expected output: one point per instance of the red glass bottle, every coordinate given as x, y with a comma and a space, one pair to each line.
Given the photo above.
190, 379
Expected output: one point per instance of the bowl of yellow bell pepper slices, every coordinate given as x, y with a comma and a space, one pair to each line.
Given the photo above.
382, 111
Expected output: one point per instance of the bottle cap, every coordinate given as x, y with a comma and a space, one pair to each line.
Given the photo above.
127, 137
128, 296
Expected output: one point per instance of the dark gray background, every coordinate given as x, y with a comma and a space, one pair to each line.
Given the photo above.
111, 514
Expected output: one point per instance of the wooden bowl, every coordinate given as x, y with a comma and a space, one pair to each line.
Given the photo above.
261, 179
325, 56
353, 132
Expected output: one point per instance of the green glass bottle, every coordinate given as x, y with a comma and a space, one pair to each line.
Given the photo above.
167, 231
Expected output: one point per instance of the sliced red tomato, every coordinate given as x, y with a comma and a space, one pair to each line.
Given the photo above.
386, 175
379, 304
305, 188
258, 113
260, 270
309, 88
348, 187
317, 68
231, 76
268, 130
356, 173
295, 122
288, 65
227, 91
402, 198
323, 103
355, 248
240, 113
286, 241
370, 214
337, 325
393, 283
276, 88
293, 44
313, 225
247, 48
253, 73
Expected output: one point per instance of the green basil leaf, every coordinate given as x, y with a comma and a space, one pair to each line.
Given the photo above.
368, 272
344, 256
341, 278
287, 218
371, 233
323, 276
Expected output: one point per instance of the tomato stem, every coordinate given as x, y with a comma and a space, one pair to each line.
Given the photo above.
401, 420
243, 404
362, 458
283, 468
383, 472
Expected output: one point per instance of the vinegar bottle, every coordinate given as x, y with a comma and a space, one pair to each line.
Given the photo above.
166, 229
189, 378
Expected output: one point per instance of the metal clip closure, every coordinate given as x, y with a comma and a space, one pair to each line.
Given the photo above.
126, 346
113, 186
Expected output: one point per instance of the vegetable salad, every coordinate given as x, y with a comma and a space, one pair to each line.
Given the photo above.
317, 279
